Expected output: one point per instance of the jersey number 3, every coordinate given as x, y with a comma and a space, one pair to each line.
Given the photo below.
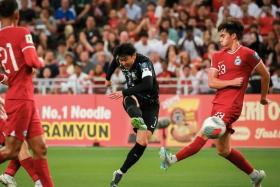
4, 54
222, 69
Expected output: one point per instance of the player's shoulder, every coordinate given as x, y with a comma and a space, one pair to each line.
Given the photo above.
247, 50
142, 59
18, 30
218, 54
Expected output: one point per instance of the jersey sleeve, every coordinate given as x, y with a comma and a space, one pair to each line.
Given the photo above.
214, 61
26, 40
146, 69
253, 58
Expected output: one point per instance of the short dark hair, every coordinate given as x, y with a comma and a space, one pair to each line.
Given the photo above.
123, 50
7, 8
232, 26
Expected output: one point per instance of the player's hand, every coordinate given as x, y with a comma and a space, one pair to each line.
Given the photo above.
237, 82
42, 61
115, 95
107, 83
264, 101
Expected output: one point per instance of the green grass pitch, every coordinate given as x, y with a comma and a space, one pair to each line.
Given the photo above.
93, 167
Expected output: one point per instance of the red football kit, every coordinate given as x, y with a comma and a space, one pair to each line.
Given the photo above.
228, 101
23, 119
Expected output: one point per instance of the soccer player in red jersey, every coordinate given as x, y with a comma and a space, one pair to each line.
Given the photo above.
18, 57
24, 158
230, 70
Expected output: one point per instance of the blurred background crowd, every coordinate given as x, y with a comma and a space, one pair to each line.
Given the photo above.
76, 39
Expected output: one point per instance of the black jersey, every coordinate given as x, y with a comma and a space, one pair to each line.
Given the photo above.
141, 68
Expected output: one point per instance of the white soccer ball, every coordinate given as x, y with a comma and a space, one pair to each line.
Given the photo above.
213, 127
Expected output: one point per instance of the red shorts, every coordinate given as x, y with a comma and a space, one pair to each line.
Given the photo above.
23, 119
228, 114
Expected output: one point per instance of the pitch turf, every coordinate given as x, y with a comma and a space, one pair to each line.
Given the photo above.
93, 167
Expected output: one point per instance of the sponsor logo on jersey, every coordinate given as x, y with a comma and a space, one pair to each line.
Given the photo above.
28, 39
237, 61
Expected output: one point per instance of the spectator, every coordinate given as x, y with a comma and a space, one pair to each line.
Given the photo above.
85, 61
27, 15
64, 15
133, 10
70, 62
266, 21
159, 9
276, 80
78, 82
192, 44
143, 46
114, 20
82, 8
253, 8
189, 81
163, 44
90, 35
51, 63
155, 58
234, 10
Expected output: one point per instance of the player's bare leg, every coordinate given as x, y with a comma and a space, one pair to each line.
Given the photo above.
235, 157
193, 148
27, 163
25, 160
11, 149
133, 156
39, 148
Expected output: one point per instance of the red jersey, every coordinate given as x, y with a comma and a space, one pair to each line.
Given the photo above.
13, 42
230, 66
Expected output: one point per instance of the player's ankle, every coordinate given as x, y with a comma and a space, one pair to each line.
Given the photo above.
253, 174
120, 172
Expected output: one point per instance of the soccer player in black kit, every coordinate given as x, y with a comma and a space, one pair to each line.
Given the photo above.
140, 100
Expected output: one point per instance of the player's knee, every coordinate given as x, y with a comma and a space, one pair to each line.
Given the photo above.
130, 101
41, 150
131, 106
142, 141
11, 153
223, 152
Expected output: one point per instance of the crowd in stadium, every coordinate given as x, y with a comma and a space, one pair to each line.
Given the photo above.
76, 38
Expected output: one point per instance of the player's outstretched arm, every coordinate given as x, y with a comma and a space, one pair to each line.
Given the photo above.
113, 66
145, 85
265, 77
215, 83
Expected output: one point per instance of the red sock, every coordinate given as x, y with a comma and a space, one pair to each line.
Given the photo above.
28, 165
239, 161
12, 167
191, 149
42, 170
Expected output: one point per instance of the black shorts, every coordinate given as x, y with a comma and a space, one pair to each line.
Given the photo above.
150, 113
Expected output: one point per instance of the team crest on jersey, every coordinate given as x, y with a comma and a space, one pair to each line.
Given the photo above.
237, 61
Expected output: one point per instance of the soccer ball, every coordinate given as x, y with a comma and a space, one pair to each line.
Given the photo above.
213, 127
